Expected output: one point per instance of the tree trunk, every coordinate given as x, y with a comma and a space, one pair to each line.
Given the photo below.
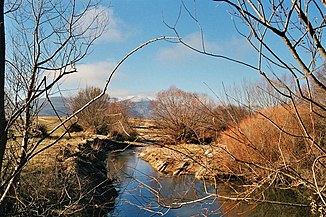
3, 131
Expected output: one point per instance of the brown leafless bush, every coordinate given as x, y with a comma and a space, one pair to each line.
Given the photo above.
272, 140
227, 116
117, 114
183, 116
105, 116
40, 130
286, 138
93, 116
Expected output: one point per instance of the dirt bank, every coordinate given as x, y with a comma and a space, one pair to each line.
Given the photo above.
70, 178
201, 160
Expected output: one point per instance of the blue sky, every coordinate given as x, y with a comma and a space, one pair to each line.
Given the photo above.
163, 64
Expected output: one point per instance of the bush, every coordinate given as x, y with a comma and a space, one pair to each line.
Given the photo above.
93, 116
183, 116
102, 129
273, 139
117, 115
104, 116
75, 127
40, 130
119, 135
227, 116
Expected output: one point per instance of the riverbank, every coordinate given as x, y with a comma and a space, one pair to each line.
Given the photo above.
144, 191
70, 178
203, 161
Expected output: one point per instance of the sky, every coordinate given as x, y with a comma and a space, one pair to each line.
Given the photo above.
163, 64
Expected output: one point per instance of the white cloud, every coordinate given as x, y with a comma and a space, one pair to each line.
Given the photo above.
104, 17
118, 92
234, 47
93, 74
116, 29
238, 47
179, 51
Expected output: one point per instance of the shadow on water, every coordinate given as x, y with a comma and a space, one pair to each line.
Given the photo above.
145, 192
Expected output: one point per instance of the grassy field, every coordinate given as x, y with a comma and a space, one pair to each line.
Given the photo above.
51, 183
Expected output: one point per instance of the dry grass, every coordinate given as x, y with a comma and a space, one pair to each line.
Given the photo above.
58, 181
49, 180
50, 122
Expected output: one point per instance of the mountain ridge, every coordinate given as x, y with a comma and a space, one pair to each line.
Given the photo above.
141, 107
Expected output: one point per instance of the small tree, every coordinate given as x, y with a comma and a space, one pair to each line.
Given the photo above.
45, 40
287, 37
182, 116
93, 116
117, 114
105, 116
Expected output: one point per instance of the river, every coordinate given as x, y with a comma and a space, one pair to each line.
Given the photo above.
145, 192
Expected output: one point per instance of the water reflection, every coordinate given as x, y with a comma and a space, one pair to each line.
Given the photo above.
230, 209
145, 192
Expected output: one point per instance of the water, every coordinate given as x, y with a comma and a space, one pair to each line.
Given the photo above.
145, 192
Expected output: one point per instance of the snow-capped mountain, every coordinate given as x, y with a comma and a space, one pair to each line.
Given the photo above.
140, 106
137, 98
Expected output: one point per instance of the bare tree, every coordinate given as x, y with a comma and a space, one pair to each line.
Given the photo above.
288, 39
92, 116
3, 133
182, 116
105, 116
46, 40
118, 115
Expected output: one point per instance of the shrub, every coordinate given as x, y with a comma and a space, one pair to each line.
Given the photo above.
117, 115
104, 116
102, 129
273, 139
40, 130
93, 116
183, 116
227, 116
75, 127
121, 135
